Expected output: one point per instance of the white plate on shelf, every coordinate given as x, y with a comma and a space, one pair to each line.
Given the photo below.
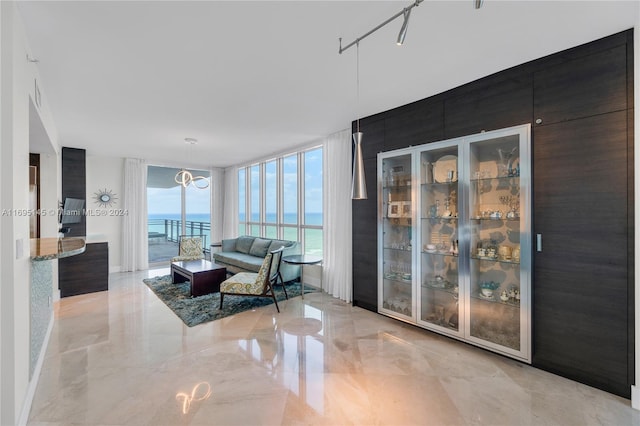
442, 166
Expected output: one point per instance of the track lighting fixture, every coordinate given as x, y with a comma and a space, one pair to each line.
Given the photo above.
405, 24
478, 4
358, 181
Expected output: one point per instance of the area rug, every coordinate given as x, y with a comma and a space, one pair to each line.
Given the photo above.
198, 310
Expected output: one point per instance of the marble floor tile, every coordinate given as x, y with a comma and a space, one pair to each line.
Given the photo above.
121, 357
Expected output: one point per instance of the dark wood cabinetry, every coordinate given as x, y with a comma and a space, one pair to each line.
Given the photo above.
582, 87
87, 272
74, 178
582, 180
581, 276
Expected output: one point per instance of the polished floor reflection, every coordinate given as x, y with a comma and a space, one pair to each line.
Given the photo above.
123, 358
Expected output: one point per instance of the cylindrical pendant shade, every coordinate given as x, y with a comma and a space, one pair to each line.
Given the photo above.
358, 183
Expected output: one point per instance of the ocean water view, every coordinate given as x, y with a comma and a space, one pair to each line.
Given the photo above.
199, 223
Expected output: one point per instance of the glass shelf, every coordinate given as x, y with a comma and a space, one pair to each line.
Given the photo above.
439, 183
398, 249
440, 253
494, 259
440, 218
496, 299
491, 219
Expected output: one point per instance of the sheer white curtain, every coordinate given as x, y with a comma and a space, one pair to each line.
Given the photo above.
337, 271
217, 203
134, 227
230, 217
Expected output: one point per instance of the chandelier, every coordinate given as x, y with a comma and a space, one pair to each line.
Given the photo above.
185, 177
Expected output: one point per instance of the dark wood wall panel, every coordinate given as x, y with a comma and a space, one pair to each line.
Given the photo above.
582, 87
365, 243
414, 124
580, 300
373, 138
87, 272
74, 184
507, 103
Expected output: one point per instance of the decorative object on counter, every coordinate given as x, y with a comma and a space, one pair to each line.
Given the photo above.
504, 296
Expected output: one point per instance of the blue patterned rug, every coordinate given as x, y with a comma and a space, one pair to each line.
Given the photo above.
197, 310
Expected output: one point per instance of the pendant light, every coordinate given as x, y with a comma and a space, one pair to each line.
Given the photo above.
358, 182
184, 177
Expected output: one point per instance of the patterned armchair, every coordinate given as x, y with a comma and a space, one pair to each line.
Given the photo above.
190, 249
252, 284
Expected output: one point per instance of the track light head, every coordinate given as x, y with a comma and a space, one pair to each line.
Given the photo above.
478, 4
405, 24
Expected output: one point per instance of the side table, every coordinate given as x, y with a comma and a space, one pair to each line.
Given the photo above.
303, 259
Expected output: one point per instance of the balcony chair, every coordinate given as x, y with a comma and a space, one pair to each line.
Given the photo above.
190, 248
254, 284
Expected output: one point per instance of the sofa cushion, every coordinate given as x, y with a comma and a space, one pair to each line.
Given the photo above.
229, 245
259, 247
243, 244
276, 244
241, 260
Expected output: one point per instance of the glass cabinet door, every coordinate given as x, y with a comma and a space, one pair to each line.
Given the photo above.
439, 238
396, 235
497, 221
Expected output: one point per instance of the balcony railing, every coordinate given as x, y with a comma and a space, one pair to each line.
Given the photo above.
169, 230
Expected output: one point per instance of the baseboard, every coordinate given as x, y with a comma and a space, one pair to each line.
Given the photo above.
114, 269
33, 383
635, 397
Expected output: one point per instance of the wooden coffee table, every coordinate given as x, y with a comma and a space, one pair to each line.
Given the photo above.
205, 277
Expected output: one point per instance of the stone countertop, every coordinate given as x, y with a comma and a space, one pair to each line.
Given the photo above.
56, 248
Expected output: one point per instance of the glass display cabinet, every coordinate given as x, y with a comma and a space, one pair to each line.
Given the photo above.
396, 236
439, 290
499, 237
455, 238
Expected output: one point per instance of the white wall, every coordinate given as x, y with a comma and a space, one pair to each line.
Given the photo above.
105, 223
17, 77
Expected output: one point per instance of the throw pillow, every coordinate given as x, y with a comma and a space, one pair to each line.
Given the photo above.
228, 245
243, 245
259, 247
276, 244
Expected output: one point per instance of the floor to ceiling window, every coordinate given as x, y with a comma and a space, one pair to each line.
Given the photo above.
282, 198
174, 210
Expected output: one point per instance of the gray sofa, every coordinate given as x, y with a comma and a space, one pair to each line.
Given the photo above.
246, 254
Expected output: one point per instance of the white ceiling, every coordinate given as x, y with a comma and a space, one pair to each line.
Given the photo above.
251, 79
